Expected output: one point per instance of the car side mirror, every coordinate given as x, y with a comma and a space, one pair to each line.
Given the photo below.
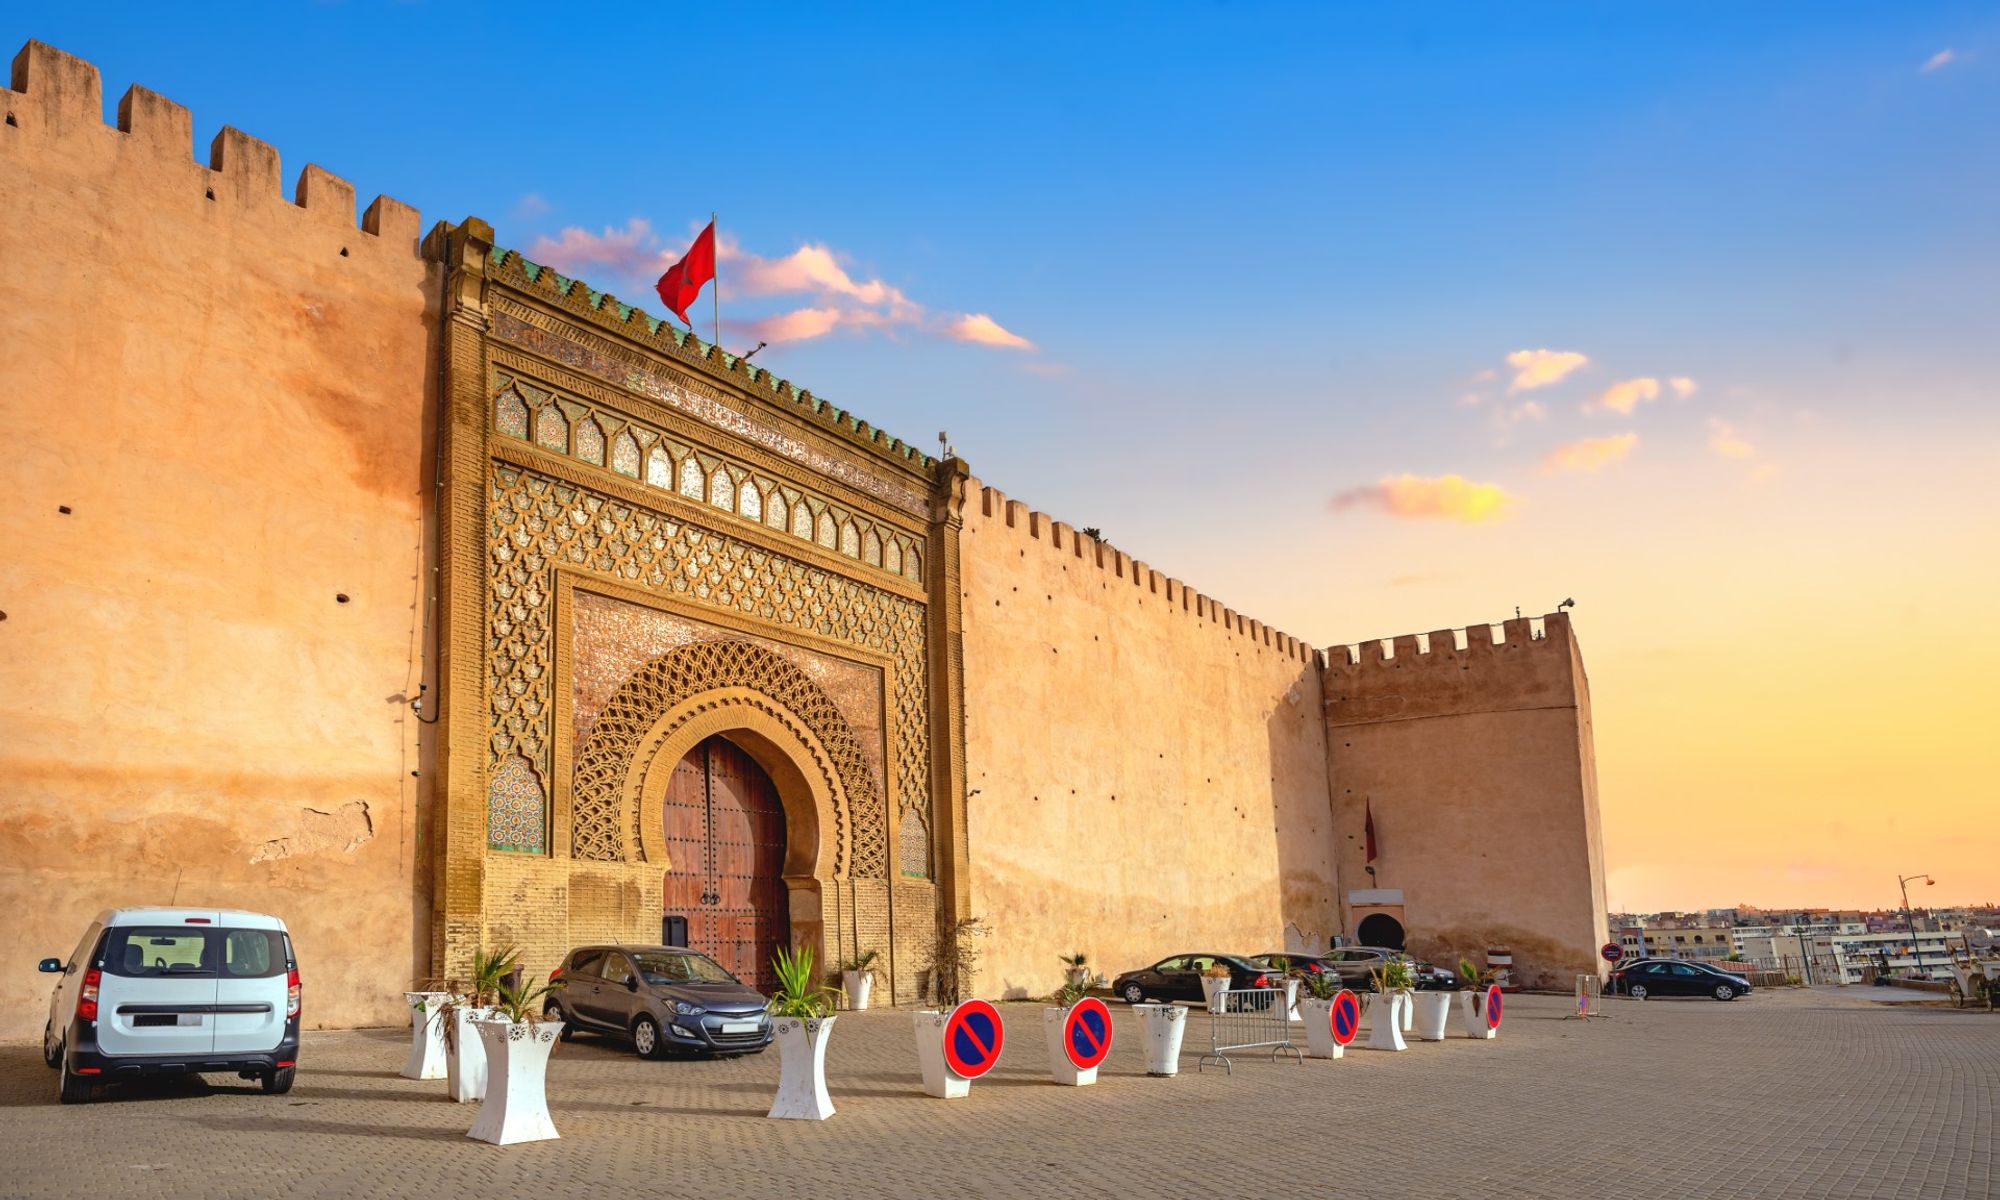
631, 984
52, 966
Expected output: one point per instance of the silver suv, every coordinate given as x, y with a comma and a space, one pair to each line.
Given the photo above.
659, 998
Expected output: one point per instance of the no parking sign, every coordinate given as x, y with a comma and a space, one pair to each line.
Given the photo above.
1086, 1033
1493, 1006
973, 1037
1346, 1017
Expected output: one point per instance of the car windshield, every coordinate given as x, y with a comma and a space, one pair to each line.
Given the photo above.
681, 968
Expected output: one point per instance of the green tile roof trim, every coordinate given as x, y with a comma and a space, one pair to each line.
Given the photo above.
534, 276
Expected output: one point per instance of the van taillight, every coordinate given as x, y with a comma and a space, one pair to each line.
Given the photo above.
86, 1000
555, 974
292, 991
1261, 981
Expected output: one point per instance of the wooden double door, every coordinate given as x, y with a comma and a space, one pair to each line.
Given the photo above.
725, 833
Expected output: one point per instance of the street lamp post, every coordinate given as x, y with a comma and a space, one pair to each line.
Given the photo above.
1903, 882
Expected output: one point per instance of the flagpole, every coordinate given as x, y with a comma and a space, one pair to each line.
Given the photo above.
715, 286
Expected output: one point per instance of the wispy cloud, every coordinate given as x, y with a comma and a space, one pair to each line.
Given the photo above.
1540, 368
1724, 441
1452, 497
1590, 454
531, 207
1625, 395
1938, 61
984, 330
1683, 386
631, 257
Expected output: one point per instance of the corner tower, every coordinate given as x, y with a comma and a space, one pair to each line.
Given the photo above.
1474, 756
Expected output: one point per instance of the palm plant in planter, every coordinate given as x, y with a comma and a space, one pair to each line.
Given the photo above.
804, 1012
1215, 986
1472, 984
517, 1046
1055, 1027
1076, 968
1286, 978
465, 1055
857, 978
1394, 982
1316, 1010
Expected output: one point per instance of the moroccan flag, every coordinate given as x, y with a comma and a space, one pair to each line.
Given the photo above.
684, 280
1368, 829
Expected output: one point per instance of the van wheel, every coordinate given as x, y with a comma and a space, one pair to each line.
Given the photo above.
278, 1082
52, 1053
553, 1012
76, 1089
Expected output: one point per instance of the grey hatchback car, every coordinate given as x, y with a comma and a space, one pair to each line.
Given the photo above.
659, 998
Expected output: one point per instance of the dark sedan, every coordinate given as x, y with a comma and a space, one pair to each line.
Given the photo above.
1179, 977
1667, 977
658, 998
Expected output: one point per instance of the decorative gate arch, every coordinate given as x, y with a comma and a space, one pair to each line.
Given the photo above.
834, 808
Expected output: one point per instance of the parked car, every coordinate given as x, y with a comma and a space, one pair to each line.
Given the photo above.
1179, 977
1356, 966
174, 991
658, 998
1673, 977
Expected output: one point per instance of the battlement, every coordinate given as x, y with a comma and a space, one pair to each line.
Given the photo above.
1523, 662
668, 340
1060, 537
54, 106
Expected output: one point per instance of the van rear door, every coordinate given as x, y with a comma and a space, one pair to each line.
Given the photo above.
156, 995
251, 986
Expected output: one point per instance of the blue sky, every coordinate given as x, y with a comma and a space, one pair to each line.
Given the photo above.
1272, 256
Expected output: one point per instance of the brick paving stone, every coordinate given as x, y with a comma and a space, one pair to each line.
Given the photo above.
1808, 1093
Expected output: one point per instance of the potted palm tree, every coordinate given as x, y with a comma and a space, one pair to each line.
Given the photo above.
1473, 983
1055, 1028
1394, 983
465, 1055
1076, 969
857, 978
1215, 986
1285, 977
517, 1046
426, 1059
1316, 1010
804, 1012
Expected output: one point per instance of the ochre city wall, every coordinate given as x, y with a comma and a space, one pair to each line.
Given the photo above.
216, 400
1147, 768
1477, 763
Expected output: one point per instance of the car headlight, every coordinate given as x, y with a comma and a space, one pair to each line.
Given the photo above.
688, 1010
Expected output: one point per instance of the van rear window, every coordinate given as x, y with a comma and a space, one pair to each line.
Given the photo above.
177, 951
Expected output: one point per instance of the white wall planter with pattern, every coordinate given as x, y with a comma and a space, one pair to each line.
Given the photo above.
516, 1107
426, 1059
1385, 1020
802, 1067
465, 1054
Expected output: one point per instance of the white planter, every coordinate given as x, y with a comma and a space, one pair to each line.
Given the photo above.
1215, 990
1055, 1022
516, 1107
1433, 1015
939, 1079
1385, 1020
802, 1068
857, 985
426, 1059
1409, 1010
1472, 1008
465, 1055
1161, 1028
1318, 1018
1290, 988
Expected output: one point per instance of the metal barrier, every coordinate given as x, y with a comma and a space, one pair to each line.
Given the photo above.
1251, 1019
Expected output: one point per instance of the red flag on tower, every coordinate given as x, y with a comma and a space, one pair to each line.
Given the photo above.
685, 279
1368, 829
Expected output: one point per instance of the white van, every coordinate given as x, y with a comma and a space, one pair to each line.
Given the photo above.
172, 991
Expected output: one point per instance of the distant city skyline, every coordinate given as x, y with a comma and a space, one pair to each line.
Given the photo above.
1402, 320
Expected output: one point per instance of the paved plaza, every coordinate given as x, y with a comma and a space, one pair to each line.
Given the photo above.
1788, 1093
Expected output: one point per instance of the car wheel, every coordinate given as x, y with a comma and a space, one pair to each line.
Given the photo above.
1134, 994
76, 1089
553, 1012
279, 1081
51, 1052
1724, 992
1637, 991
646, 1038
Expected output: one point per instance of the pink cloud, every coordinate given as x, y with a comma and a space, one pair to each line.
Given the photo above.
1683, 386
1590, 454
1724, 442
1938, 61
985, 331
1540, 368
1627, 394
1413, 496
631, 253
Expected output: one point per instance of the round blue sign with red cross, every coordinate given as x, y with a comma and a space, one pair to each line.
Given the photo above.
1612, 952
972, 1038
1087, 1033
1493, 1006
1346, 1016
